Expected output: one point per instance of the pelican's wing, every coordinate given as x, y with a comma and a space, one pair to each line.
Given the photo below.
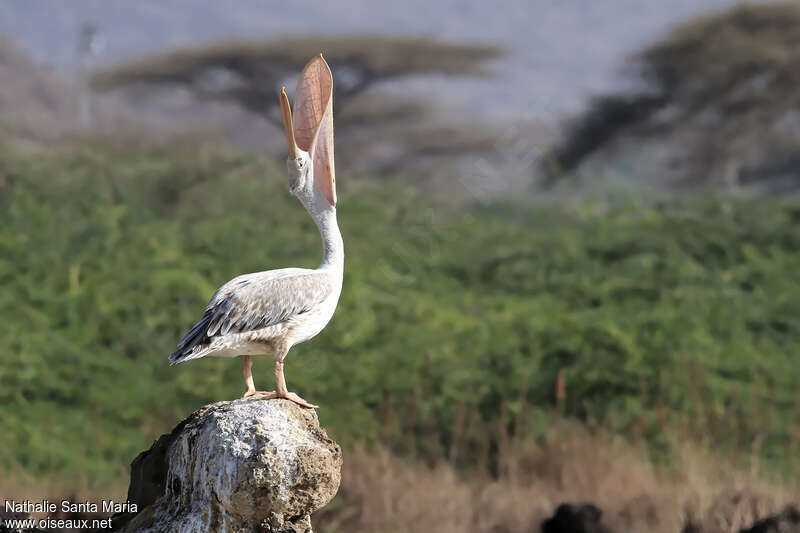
249, 303
256, 301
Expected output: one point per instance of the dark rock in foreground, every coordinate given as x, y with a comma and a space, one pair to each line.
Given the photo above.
573, 518
787, 521
586, 518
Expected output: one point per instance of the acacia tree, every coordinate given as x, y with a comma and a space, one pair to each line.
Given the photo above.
249, 73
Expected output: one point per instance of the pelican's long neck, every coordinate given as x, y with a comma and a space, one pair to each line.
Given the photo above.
332, 244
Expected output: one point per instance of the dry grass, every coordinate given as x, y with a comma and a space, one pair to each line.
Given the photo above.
16, 483
382, 492
19, 486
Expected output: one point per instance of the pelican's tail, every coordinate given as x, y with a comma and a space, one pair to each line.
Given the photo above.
194, 344
182, 355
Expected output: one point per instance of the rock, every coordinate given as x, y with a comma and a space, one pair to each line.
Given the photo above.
575, 518
787, 521
246, 465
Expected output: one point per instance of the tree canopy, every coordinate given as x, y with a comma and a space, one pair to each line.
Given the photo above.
249, 72
392, 128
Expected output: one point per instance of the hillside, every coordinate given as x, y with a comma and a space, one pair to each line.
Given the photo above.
716, 105
677, 315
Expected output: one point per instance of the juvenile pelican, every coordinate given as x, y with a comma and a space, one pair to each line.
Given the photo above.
269, 312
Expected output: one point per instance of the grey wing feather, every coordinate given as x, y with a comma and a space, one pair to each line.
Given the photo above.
247, 304
253, 302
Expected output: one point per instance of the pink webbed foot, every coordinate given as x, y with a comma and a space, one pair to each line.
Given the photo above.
271, 395
292, 397
268, 395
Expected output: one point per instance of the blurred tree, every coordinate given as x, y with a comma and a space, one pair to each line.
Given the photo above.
250, 73
383, 131
718, 105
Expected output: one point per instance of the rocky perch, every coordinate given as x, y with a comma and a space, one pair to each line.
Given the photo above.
246, 465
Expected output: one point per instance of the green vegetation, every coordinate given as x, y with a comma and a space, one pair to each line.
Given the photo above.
452, 328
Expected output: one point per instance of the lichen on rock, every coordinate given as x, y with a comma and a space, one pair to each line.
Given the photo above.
245, 465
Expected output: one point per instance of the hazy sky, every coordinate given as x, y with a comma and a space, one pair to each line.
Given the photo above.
561, 50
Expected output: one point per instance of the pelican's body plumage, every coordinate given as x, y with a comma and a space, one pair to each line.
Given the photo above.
263, 312
271, 311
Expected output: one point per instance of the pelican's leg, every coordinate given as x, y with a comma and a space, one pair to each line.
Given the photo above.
247, 370
282, 392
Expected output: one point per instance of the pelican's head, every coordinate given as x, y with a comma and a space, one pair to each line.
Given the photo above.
312, 177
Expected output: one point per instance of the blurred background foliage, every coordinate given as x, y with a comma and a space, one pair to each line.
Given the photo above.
678, 313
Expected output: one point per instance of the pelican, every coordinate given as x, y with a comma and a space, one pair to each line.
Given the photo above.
269, 312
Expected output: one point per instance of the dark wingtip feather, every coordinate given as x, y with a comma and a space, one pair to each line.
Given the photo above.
195, 337
177, 357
